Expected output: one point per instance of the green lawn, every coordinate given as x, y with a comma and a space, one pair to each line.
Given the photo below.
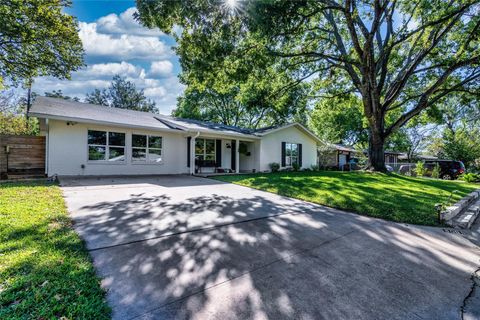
45, 271
388, 196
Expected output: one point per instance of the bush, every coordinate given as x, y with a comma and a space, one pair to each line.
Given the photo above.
295, 166
436, 171
420, 169
314, 167
274, 166
470, 177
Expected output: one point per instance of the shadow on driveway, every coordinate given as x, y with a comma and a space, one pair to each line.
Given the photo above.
212, 250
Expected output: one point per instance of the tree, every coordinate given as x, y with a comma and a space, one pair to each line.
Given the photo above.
37, 39
225, 108
340, 120
59, 94
399, 57
244, 87
13, 120
122, 94
462, 144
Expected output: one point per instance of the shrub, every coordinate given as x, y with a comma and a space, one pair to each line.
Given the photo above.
420, 169
274, 166
314, 167
436, 171
295, 166
470, 177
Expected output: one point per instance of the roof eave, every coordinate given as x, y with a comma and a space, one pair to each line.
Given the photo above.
108, 123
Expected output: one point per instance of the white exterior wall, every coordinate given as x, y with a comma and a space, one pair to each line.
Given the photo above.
68, 151
271, 147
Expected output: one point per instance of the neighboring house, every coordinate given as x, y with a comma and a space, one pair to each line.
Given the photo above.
341, 155
86, 139
416, 157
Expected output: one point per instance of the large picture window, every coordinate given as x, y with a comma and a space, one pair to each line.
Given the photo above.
146, 148
106, 146
291, 153
205, 149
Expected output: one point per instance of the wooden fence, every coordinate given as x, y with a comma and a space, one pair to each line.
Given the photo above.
26, 155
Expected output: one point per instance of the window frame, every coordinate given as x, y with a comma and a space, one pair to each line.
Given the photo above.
288, 153
147, 149
107, 147
204, 154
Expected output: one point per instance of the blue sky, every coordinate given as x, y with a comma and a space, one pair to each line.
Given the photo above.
115, 43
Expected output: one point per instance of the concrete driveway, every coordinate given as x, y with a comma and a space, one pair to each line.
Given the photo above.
186, 247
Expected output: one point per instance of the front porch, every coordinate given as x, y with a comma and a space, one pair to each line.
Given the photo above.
214, 155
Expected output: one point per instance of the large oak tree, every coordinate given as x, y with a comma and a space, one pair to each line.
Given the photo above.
400, 57
37, 38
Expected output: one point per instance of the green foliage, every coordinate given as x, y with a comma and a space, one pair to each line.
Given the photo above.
387, 196
13, 120
230, 77
436, 171
471, 177
339, 120
362, 48
122, 94
295, 166
38, 38
274, 166
462, 144
45, 271
59, 94
18, 124
420, 169
314, 167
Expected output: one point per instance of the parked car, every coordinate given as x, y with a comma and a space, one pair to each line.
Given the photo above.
389, 168
407, 169
449, 169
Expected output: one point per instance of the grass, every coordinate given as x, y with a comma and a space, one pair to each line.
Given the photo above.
45, 270
387, 196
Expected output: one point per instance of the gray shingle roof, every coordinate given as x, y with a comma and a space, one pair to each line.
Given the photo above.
56, 108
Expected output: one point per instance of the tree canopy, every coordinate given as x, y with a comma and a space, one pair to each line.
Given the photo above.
37, 39
399, 57
122, 94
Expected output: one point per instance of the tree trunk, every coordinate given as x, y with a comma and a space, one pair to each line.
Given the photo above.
376, 139
376, 153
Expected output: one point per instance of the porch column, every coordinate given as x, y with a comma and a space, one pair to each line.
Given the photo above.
192, 155
237, 156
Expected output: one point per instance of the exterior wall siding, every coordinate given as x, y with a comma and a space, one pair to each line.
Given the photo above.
271, 147
68, 151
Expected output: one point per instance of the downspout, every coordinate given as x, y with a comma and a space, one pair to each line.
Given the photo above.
192, 152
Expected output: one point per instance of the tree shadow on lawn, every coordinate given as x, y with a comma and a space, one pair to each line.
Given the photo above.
388, 196
304, 261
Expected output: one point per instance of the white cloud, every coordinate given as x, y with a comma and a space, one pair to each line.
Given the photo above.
161, 68
110, 69
124, 46
125, 23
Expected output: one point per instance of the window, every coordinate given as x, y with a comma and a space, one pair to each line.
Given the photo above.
205, 149
106, 146
291, 153
146, 148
